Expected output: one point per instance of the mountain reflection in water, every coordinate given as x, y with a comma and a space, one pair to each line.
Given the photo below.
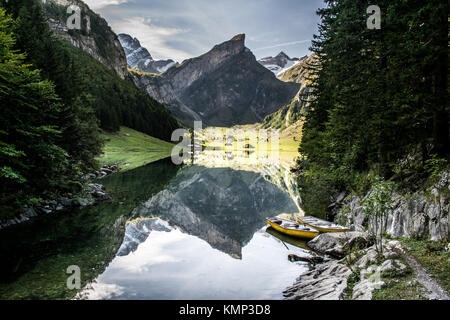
191, 232
222, 206
203, 237
171, 264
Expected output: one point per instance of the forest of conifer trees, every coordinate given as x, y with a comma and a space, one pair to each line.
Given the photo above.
55, 99
380, 98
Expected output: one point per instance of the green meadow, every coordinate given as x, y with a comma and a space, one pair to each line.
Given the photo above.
131, 149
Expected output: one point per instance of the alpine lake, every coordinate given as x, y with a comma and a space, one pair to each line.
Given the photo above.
193, 231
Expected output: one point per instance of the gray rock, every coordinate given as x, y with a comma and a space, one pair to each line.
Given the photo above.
107, 171
85, 202
312, 260
338, 244
29, 212
369, 258
46, 209
52, 203
340, 197
363, 290
101, 196
417, 215
98, 192
393, 246
66, 202
392, 265
26, 215
327, 281
95, 187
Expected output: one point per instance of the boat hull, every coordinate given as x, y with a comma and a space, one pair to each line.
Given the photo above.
293, 233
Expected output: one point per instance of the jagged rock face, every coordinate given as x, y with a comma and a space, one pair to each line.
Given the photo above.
418, 215
328, 280
280, 62
223, 87
95, 36
133, 49
139, 58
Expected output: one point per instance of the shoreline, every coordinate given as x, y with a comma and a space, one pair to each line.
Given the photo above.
353, 270
92, 194
416, 239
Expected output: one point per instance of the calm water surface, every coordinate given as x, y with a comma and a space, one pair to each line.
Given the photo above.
191, 232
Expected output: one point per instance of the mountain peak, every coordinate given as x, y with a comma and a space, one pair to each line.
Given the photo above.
139, 58
282, 54
228, 48
223, 87
123, 37
239, 37
279, 63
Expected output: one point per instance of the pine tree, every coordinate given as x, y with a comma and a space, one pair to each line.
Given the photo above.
381, 95
30, 157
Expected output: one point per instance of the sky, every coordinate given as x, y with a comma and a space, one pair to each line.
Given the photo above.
182, 29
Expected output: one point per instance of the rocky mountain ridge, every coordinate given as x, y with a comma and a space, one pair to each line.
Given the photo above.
139, 58
95, 37
223, 87
280, 62
292, 113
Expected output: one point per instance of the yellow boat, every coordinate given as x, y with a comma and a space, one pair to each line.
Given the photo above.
298, 242
292, 228
322, 225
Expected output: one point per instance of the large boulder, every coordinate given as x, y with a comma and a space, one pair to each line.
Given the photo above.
328, 281
339, 244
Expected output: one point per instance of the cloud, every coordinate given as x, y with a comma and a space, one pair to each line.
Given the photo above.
285, 44
154, 38
212, 22
98, 4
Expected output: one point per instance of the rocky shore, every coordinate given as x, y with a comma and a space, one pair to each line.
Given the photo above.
423, 214
345, 255
352, 268
91, 194
361, 271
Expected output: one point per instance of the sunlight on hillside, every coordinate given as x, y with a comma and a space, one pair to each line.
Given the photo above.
132, 149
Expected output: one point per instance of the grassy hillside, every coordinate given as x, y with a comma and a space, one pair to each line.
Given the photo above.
117, 101
132, 149
91, 77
